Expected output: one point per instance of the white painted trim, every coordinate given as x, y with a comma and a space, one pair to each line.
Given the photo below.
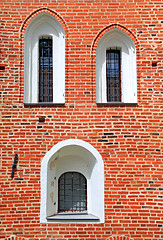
73, 217
87, 160
112, 39
41, 25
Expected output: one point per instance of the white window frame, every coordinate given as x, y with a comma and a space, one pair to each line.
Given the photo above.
72, 155
44, 25
113, 39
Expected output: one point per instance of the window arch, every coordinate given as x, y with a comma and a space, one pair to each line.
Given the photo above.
116, 79
72, 156
44, 74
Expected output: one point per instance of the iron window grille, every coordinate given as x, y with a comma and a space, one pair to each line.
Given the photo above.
113, 75
45, 70
72, 192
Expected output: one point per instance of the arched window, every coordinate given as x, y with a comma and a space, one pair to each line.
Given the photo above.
44, 61
72, 192
72, 184
116, 80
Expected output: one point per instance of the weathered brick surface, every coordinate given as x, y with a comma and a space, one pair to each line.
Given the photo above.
129, 138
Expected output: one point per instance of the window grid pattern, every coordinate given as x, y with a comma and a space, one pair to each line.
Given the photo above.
72, 192
113, 75
45, 70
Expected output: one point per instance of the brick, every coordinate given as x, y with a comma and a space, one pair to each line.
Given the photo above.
129, 138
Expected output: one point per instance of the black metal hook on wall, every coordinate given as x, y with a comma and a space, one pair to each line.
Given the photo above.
14, 165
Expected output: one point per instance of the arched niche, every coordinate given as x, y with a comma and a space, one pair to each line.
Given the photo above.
72, 155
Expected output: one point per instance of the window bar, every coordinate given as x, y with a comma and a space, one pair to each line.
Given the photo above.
59, 190
50, 74
49, 77
44, 75
64, 199
41, 75
79, 188
72, 191
85, 186
80, 193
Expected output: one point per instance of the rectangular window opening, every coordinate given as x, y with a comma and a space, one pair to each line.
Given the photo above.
45, 70
113, 75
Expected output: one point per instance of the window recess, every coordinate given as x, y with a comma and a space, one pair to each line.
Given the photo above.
72, 184
116, 75
44, 61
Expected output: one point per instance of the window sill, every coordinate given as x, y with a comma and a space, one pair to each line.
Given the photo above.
44, 104
117, 104
73, 216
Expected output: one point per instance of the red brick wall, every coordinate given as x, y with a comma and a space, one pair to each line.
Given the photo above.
127, 137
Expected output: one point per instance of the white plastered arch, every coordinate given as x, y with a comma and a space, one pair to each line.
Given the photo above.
44, 25
72, 155
116, 38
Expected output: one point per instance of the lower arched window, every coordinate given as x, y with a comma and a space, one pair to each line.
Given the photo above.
72, 184
72, 192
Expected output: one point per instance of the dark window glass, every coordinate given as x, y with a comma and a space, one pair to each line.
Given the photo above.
72, 192
113, 75
45, 70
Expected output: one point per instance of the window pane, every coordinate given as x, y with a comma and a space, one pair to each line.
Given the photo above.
113, 75
72, 192
45, 70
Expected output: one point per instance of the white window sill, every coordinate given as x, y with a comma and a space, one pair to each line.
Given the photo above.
117, 103
73, 216
43, 104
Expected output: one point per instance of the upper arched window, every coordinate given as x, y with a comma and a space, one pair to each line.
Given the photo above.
116, 80
44, 61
